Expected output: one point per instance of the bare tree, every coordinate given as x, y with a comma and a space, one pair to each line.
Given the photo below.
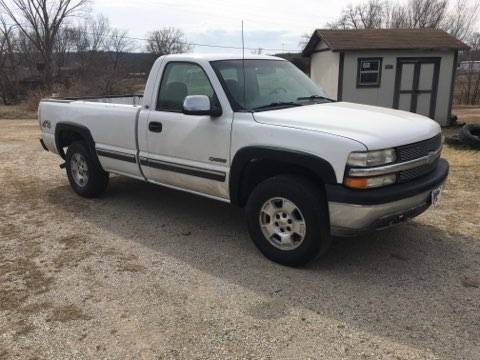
458, 19
304, 39
9, 74
26, 50
118, 44
98, 31
89, 41
462, 18
40, 21
100, 55
426, 13
167, 41
63, 45
396, 16
368, 15
468, 79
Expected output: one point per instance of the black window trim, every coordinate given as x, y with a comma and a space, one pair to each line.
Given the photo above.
236, 107
379, 81
163, 77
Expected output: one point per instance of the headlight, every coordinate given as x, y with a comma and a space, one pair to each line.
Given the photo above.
371, 158
371, 182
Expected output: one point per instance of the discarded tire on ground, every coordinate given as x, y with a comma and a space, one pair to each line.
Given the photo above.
455, 139
470, 135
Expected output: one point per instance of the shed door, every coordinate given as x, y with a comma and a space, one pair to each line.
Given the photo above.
416, 85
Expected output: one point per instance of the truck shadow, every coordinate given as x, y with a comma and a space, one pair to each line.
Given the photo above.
395, 284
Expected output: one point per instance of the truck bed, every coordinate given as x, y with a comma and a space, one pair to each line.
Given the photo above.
111, 120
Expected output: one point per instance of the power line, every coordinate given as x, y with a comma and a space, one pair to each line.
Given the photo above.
219, 46
192, 43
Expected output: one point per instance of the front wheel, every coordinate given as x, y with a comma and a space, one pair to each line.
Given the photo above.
86, 177
288, 219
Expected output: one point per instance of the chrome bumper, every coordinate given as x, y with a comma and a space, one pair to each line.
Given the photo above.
351, 219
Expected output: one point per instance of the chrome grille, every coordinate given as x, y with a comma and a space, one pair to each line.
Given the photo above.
415, 151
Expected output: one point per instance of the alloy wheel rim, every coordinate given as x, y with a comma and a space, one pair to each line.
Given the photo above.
79, 167
282, 223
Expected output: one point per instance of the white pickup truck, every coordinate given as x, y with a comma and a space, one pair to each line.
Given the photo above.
259, 134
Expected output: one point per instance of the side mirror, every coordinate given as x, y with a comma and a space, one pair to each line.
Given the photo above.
200, 105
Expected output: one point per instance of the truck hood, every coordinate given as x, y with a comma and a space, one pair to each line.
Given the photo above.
375, 127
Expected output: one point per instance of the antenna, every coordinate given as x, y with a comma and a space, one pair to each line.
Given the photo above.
243, 70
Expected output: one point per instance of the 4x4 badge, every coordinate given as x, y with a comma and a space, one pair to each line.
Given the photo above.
46, 124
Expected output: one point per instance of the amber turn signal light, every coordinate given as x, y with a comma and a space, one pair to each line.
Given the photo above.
370, 182
356, 183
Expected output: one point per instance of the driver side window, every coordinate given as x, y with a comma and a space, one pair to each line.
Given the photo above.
179, 80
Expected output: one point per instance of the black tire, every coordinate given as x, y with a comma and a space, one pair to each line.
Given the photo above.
454, 140
97, 180
310, 200
470, 134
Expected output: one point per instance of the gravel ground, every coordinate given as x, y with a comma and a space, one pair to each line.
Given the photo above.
146, 273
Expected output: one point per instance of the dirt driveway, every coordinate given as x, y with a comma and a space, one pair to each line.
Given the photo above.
146, 272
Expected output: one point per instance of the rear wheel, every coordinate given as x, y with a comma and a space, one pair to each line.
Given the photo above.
84, 174
288, 220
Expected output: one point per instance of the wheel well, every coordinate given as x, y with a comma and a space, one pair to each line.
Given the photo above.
257, 171
66, 134
67, 137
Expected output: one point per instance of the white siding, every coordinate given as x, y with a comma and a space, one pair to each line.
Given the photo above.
384, 95
324, 68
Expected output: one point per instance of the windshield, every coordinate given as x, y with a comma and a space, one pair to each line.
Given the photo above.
269, 84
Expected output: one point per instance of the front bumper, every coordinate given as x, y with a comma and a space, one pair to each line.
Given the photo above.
356, 211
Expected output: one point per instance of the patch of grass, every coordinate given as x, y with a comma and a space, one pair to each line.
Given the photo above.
71, 258
471, 282
68, 313
23, 328
11, 299
20, 279
36, 308
74, 251
3, 354
73, 241
467, 114
129, 267
16, 112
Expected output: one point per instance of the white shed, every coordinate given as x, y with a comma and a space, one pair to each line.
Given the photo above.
408, 69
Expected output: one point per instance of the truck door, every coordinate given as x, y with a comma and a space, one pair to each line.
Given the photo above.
189, 152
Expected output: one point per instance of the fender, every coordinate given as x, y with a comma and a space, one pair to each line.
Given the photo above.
320, 167
83, 131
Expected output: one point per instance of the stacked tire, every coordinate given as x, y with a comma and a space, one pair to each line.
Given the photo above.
470, 135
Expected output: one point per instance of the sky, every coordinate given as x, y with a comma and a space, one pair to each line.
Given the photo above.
276, 25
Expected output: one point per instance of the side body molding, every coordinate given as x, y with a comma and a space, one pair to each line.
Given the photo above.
251, 154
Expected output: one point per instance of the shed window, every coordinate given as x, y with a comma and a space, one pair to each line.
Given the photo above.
369, 72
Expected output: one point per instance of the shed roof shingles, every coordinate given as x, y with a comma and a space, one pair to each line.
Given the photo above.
384, 39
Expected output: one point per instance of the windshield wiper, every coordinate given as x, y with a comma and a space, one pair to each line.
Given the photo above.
314, 97
277, 104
